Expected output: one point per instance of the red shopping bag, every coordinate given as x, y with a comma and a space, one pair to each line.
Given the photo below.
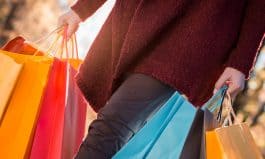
48, 135
19, 45
61, 125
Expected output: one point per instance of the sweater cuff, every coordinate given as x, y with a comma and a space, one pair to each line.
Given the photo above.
243, 66
85, 8
244, 58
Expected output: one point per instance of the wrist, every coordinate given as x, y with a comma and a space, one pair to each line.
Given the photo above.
236, 71
75, 16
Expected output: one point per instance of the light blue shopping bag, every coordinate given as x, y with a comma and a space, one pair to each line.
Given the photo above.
165, 134
160, 131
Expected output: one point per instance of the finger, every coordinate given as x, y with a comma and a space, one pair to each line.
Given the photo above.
61, 22
72, 27
234, 88
220, 82
234, 94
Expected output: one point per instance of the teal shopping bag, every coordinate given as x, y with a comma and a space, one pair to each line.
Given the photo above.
165, 134
154, 140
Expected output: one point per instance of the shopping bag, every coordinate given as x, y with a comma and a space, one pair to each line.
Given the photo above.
232, 141
18, 125
169, 131
209, 123
9, 74
19, 45
237, 142
214, 149
61, 124
194, 138
171, 123
213, 111
49, 130
74, 119
203, 121
195, 142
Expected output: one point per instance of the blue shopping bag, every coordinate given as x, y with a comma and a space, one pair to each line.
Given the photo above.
154, 140
164, 135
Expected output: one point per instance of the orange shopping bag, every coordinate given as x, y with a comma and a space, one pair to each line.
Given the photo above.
214, 149
18, 124
9, 73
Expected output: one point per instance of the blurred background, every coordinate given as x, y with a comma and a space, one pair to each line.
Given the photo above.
34, 19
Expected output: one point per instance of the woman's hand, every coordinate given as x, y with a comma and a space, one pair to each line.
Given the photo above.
71, 20
234, 78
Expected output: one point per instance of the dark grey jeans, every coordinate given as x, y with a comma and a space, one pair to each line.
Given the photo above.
129, 108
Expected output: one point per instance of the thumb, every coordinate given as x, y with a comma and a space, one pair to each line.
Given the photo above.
220, 82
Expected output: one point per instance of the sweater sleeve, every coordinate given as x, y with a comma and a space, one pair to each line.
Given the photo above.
85, 8
250, 39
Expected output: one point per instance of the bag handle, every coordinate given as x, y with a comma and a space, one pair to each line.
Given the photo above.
215, 104
216, 101
73, 42
230, 112
44, 38
62, 48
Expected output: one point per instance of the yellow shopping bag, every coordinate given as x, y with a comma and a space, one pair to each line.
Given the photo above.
17, 127
9, 72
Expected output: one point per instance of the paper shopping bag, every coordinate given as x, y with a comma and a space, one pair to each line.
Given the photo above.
212, 110
18, 124
233, 140
61, 123
9, 74
203, 121
19, 45
48, 136
194, 138
237, 142
214, 149
74, 118
61, 104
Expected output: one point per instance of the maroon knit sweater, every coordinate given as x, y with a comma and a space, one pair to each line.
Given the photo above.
183, 43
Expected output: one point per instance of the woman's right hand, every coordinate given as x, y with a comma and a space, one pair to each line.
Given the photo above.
71, 20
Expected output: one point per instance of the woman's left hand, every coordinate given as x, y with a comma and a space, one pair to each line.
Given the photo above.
234, 78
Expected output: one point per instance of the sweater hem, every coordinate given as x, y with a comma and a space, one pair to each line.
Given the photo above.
85, 91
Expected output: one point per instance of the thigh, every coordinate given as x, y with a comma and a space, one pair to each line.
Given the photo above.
133, 103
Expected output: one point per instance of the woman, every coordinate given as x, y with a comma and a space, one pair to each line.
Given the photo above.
148, 49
